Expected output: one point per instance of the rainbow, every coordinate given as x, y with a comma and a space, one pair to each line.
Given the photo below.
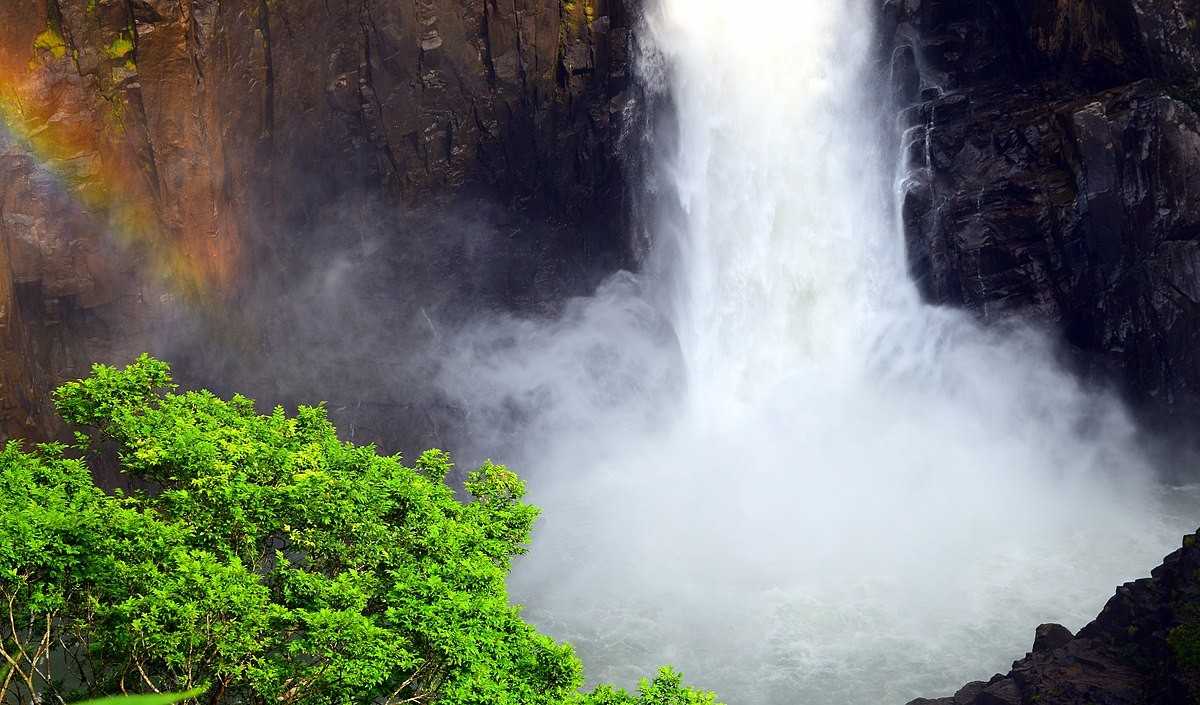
100, 174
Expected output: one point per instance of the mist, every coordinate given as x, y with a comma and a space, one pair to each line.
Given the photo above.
762, 458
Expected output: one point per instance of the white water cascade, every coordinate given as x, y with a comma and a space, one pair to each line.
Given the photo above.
764, 460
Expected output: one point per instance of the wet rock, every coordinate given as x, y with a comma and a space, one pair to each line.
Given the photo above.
1048, 637
1000, 692
1058, 179
906, 77
1136, 652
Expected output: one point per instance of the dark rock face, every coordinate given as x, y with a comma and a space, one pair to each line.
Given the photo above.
1143, 649
1052, 168
1048, 637
180, 175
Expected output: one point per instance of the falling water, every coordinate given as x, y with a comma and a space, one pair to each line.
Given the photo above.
764, 460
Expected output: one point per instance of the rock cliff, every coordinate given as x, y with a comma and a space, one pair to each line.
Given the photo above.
191, 176
1143, 649
212, 180
1052, 169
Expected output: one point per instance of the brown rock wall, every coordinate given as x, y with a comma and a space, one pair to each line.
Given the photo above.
161, 160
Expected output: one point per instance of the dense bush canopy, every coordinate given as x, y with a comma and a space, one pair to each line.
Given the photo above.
266, 561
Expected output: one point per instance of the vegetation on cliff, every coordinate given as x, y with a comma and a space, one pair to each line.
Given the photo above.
264, 559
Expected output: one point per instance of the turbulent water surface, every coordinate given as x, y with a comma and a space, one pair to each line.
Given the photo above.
763, 459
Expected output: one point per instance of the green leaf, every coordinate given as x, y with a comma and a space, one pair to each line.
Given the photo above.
148, 699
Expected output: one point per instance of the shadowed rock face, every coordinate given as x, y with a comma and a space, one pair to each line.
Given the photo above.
175, 174
1143, 649
1051, 168
172, 170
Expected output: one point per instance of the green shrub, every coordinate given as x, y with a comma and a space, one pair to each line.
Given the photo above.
269, 563
52, 41
1184, 639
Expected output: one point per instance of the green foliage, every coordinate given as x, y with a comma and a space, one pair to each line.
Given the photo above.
151, 699
121, 47
270, 560
667, 688
121, 50
1184, 642
52, 41
1184, 639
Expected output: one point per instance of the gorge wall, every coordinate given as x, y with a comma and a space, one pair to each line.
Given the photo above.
232, 183
189, 177
1052, 169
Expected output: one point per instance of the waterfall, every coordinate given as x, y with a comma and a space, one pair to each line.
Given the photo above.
764, 460
784, 252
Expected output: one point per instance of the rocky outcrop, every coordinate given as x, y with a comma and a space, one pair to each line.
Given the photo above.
170, 167
1052, 167
1143, 649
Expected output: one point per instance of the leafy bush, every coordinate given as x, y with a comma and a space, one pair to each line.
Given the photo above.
150, 699
1184, 641
269, 563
